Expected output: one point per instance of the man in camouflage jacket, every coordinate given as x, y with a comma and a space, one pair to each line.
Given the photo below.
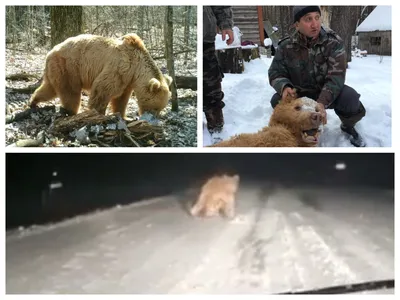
313, 62
213, 17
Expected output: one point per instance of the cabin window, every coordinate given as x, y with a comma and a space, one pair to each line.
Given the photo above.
375, 40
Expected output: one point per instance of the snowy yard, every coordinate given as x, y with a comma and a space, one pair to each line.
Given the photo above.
283, 239
248, 109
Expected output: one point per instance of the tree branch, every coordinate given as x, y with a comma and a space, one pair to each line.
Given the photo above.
175, 53
22, 76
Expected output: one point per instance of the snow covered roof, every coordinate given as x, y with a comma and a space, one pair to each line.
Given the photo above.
379, 19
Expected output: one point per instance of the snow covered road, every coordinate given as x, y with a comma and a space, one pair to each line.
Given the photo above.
283, 239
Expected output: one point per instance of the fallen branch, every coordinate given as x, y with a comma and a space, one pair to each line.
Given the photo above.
131, 140
15, 49
89, 117
28, 90
142, 126
27, 113
175, 53
22, 76
30, 142
185, 82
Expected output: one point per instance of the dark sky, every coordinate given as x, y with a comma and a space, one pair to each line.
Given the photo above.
28, 169
95, 179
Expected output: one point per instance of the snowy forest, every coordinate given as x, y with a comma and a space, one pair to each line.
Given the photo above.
170, 35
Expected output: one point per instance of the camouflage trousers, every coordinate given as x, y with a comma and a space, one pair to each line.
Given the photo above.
347, 105
212, 78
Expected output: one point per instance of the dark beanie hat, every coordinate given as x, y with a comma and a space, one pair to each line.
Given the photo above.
300, 11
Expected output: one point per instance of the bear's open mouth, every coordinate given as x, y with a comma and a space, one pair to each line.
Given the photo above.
311, 135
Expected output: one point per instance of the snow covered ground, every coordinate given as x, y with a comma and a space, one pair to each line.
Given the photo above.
248, 108
283, 239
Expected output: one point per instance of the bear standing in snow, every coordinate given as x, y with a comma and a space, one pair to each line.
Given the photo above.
217, 196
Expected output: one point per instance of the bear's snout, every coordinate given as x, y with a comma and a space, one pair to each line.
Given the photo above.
316, 118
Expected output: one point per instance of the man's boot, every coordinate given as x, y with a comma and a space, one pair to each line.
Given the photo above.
215, 119
348, 123
355, 138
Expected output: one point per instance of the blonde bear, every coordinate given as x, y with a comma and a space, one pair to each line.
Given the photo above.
295, 122
109, 70
217, 197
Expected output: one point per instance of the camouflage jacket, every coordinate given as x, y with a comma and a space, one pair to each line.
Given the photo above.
317, 67
214, 16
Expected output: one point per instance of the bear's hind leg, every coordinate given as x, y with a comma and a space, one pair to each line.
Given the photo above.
43, 93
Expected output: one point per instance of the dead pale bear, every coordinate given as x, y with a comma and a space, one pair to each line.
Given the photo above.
109, 69
295, 122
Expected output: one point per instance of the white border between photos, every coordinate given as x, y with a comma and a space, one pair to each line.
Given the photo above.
199, 148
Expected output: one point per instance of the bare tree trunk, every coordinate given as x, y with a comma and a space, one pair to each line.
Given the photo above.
41, 25
10, 24
169, 53
343, 21
66, 21
26, 24
326, 13
149, 26
20, 15
280, 16
364, 11
97, 17
187, 31
186, 82
140, 24
30, 27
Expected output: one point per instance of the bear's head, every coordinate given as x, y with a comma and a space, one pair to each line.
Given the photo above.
157, 96
301, 117
232, 182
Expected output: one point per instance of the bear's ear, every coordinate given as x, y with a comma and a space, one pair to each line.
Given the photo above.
133, 39
168, 79
236, 177
154, 85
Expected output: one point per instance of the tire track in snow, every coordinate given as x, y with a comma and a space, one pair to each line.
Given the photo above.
235, 261
292, 256
315, 255
324, 258
357, 248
